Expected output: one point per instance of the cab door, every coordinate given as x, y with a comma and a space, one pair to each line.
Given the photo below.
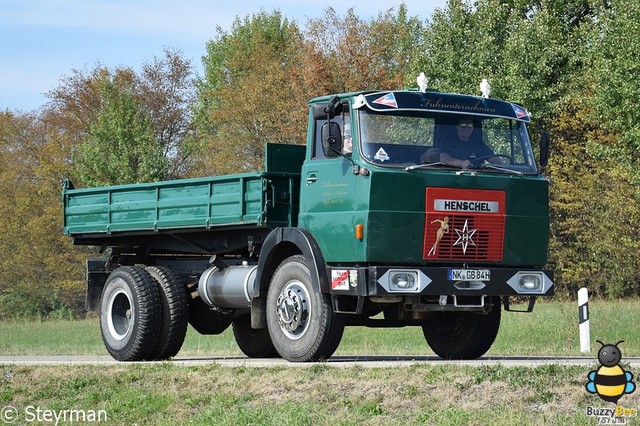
328, 197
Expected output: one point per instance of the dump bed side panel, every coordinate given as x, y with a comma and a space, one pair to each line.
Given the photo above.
243, 199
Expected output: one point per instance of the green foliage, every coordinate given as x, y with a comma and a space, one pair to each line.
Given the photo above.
595, 209
252, 93
39, 274
449, 47
260, 75
120, 146
92, 117
616, 63
86, 106
527, 50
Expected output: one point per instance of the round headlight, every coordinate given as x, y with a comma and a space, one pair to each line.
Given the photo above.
530, 282
402, 280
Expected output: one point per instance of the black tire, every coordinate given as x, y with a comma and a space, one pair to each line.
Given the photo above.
254, 343
206, 320
462, 335
174, 302
301, 322
130, 314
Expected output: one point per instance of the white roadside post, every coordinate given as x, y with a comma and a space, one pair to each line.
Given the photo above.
583, 320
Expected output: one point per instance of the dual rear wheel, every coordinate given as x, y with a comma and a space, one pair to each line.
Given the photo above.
143, 313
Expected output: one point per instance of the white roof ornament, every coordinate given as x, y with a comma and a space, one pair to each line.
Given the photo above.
359, 102
422, 82
485, 88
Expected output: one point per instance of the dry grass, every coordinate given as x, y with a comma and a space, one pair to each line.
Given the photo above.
315, 395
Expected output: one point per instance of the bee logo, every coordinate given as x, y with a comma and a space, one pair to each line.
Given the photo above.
610, 381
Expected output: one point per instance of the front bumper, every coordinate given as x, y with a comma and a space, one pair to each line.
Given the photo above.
437, 281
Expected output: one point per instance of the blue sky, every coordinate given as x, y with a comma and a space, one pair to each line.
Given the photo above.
43, 40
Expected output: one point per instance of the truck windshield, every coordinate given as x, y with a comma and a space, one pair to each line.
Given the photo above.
413, 138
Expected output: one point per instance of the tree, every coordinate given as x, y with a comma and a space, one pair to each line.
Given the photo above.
39, 272
528, 50
252, 92
615, 52
260, 75
162, 92
365, 55
448, 49
120, 146
594, 212
166, 94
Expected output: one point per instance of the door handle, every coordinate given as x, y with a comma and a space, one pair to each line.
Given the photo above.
311, 179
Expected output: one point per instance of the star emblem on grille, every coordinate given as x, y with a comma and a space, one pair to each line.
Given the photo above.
465, 237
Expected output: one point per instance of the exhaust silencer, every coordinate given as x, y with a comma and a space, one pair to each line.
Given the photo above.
231, 287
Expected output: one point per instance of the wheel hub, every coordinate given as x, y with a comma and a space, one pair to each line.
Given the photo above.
293, 310
119, 314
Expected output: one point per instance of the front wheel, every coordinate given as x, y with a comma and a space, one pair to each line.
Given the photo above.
130, 314
462, 335
301, 322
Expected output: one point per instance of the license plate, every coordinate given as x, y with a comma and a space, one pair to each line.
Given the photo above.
469, 275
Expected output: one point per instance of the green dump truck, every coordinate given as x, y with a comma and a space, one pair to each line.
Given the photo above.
405, 208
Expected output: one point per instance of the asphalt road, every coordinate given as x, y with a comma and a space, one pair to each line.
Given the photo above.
344, 361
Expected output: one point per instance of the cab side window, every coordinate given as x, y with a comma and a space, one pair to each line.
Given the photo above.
340, 119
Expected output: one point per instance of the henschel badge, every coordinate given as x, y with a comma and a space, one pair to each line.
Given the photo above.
465, 237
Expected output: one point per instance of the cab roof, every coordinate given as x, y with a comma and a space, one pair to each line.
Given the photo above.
432, 101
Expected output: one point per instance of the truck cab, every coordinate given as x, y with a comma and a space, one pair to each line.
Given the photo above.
428, 208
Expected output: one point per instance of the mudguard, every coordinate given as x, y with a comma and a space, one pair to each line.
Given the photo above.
282, 243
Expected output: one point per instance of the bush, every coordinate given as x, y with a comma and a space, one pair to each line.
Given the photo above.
23, 302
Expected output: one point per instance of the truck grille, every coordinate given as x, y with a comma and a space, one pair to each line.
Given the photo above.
464, 225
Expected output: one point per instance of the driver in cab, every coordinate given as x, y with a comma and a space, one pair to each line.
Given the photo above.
463, 149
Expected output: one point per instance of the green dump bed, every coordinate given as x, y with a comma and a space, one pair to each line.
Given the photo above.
262, 199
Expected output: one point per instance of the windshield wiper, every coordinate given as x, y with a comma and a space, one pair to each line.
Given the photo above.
501, 169
424, 166
472, 170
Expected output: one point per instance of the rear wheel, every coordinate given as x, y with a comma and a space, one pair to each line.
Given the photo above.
462, 335
174, 302
254, 343
207, 320
301, 322
130, 314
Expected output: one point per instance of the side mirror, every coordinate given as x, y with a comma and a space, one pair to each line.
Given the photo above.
320, 112
327, 111
331, 139
544, 149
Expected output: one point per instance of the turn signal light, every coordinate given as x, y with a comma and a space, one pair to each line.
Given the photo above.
360, 231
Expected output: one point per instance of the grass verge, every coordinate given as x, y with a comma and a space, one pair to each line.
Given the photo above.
166, 394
